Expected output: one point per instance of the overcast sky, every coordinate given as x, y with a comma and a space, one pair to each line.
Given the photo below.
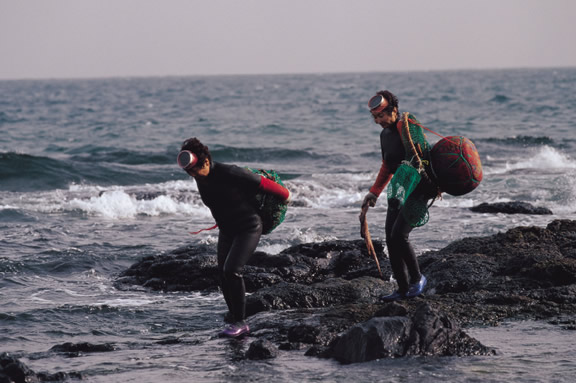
109, 38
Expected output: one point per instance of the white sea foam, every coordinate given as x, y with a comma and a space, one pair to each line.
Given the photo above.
8, 207
544, 157
117, 204
310, 235
125, 302
272, 249
454, 202
326, 191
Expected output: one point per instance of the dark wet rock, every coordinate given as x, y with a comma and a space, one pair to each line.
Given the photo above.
526, 272
313, 326
13, 370
308, 295
193, 268
510, 208
170, 340
330, 292
190, 268
522, 258
425, 332
78, 349
262, 349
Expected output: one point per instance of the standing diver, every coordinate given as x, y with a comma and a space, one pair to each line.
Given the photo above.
384, 109
229, 192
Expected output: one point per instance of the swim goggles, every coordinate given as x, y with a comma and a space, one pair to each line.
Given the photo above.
186, 159
376, 101
376, 104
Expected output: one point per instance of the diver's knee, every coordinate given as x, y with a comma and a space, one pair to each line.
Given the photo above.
231, 275
396, 240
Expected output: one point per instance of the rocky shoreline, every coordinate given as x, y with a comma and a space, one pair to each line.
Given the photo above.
322, 298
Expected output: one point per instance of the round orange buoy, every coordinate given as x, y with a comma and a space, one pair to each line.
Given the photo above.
456, 163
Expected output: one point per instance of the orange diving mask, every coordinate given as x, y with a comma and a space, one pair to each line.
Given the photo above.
187, 159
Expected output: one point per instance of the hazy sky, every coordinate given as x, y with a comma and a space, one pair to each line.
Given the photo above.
108, 38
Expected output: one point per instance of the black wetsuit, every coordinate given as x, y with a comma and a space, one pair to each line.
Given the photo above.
393, 152
402, 256
229, 192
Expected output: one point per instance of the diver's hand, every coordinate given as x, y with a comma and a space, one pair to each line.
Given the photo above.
369, 200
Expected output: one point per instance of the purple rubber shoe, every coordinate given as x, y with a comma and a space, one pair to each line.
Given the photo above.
235, 330
416, 289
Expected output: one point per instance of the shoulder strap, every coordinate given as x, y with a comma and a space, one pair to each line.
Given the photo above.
413, 150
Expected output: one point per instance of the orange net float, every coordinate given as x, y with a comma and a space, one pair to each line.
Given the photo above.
456, 164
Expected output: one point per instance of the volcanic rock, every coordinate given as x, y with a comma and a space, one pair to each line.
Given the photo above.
13, 370
323, 297
510, 208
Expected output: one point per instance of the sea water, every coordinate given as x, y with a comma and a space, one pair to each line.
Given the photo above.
89, 185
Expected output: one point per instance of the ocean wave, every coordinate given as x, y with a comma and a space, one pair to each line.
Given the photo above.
100, 154
326, 191
107, 166
12, 213
544, 176
118, 204
317, 191
545, 157
171, 198
178, 198
8, 266
28, 173
500, 99
271, 155
9, 118
520, 141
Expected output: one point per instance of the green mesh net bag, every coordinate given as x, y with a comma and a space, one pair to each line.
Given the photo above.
414, 170
405, 180
415, 211
271, 209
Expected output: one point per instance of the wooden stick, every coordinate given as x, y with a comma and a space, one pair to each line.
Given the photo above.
367, 238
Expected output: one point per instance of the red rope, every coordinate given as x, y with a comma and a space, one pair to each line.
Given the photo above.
430, 130
201, 230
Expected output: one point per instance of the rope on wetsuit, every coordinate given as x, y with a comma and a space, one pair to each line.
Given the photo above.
201, 230
412, 172
416, 154
416, 122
